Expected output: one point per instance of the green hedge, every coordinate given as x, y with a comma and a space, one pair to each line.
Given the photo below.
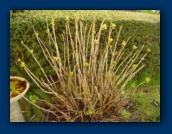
143, 28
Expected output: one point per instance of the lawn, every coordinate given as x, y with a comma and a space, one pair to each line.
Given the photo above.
149, 12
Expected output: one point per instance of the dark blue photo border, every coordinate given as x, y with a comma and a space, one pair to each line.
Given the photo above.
86, 128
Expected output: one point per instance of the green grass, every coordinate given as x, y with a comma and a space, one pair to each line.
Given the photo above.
149, 12
147, 104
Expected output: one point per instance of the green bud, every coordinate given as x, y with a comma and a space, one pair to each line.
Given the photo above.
114, 62
67, 18
71, 74
76, 17
100, 113
116, 53
22, 65
36, 34
55, 58
22, 42
134, 47
110, 40
18, 60
109, 75
86, 64
12, 88
113, 25
31, 51
147, 80
126, 114
48, 30
148, 50
134, 66
123, 43
85, 93
142, 58
104, 27
89, 112
122, 92
33, 98
96, 42
133, 85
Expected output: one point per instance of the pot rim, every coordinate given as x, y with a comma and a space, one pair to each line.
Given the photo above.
16, 98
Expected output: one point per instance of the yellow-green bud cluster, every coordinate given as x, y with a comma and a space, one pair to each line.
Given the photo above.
85, 93
134, 66
22, 64
113, 25
143, 58
33, 98
134, 47
18, 60
71, 74
89, 112
55, 58
148, 50
123, 43
86, 64
110, 40
67, 18
133, 85
122, 92
114, 62
147, 79
96, 42
48, 30
104, 27
31, 51
106, 15
109, 75
36, 34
